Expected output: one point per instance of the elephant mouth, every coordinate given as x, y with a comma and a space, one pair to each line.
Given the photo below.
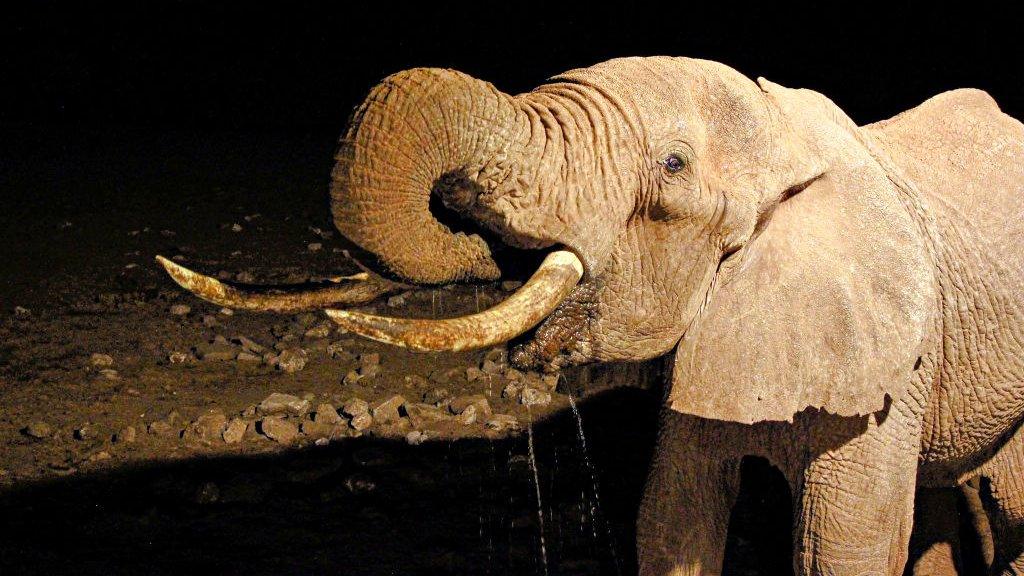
553, 281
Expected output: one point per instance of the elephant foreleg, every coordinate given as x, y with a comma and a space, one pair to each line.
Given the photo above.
1006, 507
684, 516
856, 496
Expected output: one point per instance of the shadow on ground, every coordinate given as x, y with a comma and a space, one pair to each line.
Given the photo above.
365, 507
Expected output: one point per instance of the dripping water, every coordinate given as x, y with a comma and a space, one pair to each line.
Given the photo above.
595, 503
536, 485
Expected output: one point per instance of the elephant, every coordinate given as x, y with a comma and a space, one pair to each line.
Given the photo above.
845, 301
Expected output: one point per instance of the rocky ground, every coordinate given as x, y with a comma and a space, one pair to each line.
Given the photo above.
145, 431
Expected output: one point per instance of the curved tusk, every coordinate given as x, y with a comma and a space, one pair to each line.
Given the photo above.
557, 275
357, 289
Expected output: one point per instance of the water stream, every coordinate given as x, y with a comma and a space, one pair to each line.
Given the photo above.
536, 484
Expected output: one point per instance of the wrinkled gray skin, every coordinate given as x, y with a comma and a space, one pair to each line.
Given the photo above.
845, 301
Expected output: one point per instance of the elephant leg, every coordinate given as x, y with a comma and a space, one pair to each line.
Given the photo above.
856, 495
684, 516
1005, 473
936, 535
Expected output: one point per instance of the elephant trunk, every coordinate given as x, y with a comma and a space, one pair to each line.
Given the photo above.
415, 129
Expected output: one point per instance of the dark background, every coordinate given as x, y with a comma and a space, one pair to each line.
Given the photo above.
302, 66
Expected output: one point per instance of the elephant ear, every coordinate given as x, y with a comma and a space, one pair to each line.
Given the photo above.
827, 306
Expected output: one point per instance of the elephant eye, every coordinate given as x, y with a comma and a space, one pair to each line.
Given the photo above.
674, 163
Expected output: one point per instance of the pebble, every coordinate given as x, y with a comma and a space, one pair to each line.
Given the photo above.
206, 428
360, 484
502, 423
178, 357
534, 397
83, 433
249, 357
22, 312
279, 402
110, 374
245, 277
227, 311
511, 390
416, 381
443, 375
236, 227
361, 421
415, 438
234, 431
101, 360
292, 360
327, 414
387, 410
210, 321
337, 350
322, 330
369, 359
216, 351
38, 430
278, 429
249, 345
314, 246
473, 373
351, 377
490, 367
437, 396
396, 301
98, 456
126, 435
369, 370
510, 285
355, 407
421, 415
161, 428
479, 401
180, 309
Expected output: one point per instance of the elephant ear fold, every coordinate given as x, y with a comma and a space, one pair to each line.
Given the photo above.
826, 307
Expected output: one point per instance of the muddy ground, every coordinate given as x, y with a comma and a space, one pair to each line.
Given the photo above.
132, 435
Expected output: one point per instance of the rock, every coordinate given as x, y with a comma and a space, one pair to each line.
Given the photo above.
468, 415
210, 321
361, 421
179, 357
369, 359
216, 351
99, 456
416, 381
437, 396
249, 345
101, 360
22, 312
207, 428
162, 428
292, 360
511, 285
355, 407
125, 435
422, 415
227, 311
460, 404
180, 309
534, 397
387, 410
245, 277
369, 370
337, 350
491, 367
327, 414
249, 411
322, 330
38, 430
314, 246
234, 431
550, 381
249, 357
511, 390
278, 402
236, 227
351, 377
278, 429
443, 376
110, 374
84, 433
396, 301
415, 438
502, 423
315, 429
473, 373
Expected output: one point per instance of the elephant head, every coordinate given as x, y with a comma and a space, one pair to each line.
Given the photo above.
745, 225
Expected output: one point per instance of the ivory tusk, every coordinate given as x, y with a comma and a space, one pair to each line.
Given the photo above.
557, 275
344, 291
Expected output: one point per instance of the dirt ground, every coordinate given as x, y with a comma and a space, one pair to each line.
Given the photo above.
134, 436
